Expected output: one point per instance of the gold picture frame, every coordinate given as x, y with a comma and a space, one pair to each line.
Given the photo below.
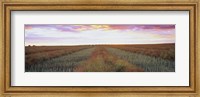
49, 5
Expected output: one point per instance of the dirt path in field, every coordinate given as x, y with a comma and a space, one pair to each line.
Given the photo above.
102, 61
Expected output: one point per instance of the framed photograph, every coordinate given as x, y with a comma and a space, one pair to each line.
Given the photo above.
100, 48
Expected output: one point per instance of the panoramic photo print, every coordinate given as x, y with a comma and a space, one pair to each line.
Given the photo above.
99, 47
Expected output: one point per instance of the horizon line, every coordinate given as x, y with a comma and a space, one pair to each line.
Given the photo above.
98, 44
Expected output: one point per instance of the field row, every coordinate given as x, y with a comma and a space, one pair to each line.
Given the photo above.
164, 51
148, 63
65, 63
41, 54
103, 61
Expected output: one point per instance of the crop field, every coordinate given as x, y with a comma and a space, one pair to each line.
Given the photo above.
101, 58
40, 54
165, 51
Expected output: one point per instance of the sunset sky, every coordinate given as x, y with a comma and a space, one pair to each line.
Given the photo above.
72, 34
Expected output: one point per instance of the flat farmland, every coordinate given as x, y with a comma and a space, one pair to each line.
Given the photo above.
101, 58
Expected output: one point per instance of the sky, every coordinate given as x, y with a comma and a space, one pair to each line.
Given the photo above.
96, 34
